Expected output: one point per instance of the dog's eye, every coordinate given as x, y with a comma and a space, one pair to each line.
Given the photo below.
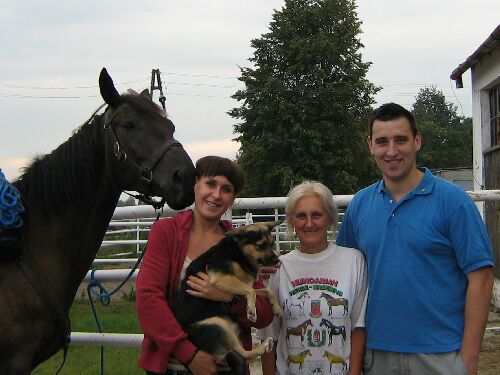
263, 245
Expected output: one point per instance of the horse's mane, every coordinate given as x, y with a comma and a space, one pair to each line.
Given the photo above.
68, 172
53, 180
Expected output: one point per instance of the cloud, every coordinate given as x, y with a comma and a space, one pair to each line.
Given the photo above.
222, 147
10, 167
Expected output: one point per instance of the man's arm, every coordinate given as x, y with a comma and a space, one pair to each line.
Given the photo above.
477, 304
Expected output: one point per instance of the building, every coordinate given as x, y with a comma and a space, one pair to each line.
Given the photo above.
484, 65
462, 177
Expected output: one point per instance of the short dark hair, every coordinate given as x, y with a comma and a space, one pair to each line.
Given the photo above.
392, 111
219, 166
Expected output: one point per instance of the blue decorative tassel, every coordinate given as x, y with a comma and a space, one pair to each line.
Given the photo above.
11, 206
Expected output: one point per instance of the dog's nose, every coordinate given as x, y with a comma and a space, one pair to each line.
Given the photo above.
270, 261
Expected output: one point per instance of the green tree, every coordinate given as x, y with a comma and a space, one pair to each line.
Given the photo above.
306, 101
446, 136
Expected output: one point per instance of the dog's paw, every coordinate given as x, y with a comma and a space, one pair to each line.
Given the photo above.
268, 344
251, 314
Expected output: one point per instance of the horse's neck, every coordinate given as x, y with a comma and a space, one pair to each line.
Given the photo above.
63, 248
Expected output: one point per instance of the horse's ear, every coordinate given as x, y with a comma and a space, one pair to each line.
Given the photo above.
145, 93
108, 91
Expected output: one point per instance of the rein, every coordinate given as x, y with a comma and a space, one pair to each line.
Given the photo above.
104, 296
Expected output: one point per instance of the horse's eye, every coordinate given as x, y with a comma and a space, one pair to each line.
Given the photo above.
128, 125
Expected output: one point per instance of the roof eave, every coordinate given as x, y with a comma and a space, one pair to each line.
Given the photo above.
488, 45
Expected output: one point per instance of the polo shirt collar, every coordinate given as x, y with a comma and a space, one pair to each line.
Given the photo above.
426, 184
424, 187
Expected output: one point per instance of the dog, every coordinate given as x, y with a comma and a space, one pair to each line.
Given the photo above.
233, 265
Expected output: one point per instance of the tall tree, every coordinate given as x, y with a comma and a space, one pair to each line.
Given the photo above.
306, 101
446, 136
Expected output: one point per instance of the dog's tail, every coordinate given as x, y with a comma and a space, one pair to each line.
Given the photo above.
237, 363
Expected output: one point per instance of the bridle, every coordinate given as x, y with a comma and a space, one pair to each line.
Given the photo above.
145, 172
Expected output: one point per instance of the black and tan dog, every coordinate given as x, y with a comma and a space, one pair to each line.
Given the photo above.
232, 265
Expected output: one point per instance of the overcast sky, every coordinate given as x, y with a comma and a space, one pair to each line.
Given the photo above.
52, 53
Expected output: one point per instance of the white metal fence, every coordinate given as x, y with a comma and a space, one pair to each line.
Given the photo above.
140, 218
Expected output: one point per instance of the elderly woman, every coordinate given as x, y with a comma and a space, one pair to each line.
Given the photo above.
173, 244
322, 288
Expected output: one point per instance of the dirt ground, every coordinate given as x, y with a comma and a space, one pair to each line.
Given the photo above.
489, 360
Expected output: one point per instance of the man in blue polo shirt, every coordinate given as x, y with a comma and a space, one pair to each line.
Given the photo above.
429, 259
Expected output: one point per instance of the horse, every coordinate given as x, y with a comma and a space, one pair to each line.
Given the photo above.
300, 304
333, 330
335, 359
299, 330
298, 358
332, 301
70, 195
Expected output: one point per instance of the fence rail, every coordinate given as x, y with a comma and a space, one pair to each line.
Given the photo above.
135, 212
122, 214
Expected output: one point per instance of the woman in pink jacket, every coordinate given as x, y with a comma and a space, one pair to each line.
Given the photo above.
173, 243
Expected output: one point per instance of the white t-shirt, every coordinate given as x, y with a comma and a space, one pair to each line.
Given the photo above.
323, 297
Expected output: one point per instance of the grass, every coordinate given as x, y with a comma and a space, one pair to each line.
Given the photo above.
118, 317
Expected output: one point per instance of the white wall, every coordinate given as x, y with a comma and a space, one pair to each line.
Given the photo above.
484, 75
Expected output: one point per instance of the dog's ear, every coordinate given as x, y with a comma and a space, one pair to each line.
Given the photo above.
235, 233
238, 233
271, 224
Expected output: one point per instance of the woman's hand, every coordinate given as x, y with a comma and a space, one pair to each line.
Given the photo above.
203, 364
200, 286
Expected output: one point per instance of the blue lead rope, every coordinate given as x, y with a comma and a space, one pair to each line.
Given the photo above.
11, 206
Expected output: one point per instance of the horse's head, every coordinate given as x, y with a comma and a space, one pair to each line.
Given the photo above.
141, 153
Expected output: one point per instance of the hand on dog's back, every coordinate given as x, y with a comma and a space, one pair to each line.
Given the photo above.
201, 287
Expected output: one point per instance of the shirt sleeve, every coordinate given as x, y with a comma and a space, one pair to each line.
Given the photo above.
469, 237
345, 236
361, 296
155, 316
273, 329
263, 308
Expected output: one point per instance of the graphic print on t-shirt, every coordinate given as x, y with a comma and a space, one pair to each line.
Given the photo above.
315, 315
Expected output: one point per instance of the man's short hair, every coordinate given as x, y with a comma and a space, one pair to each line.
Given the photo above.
392, 111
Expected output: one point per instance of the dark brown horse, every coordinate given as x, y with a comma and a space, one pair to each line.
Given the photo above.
70, 195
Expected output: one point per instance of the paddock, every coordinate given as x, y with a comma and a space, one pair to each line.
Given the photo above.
138, 219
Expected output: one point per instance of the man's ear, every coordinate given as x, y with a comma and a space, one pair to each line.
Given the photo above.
418, 141
369, 142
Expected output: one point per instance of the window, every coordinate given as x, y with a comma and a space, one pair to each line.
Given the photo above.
495, 116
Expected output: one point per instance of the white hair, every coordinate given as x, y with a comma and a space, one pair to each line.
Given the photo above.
306, 188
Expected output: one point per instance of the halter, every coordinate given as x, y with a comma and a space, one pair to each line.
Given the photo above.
146, 171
